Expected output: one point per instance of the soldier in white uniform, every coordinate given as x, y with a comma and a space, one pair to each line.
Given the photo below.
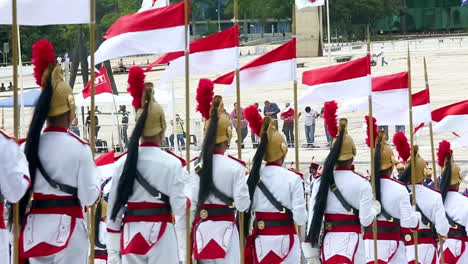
342, 200
429, 204
147, 188
278, 201
396, 210
456, 207
63, 174
14, 181
218, 190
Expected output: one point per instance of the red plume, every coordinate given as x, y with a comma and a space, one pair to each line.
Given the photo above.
255, 120
136, 85
443, 152
329, 114
401, 143
204, 97
374, 127
42, 55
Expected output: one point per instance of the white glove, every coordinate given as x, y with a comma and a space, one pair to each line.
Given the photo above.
376, 207
309, 251
113, 248
113, 257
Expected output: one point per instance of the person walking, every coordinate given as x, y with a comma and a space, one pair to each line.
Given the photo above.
179, 131
382, 55
244, 123
124, 125
309, 124
287, 115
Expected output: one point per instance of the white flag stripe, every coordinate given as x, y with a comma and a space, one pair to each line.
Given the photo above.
148, 4
308, 3
219, 60
452, 123
46, 12
140, 43
343, 90
279, 71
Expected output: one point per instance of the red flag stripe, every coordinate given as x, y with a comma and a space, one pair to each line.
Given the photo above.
165, 17
341, 72
421, 98
390, 82
105, 159
460, 108
284, 52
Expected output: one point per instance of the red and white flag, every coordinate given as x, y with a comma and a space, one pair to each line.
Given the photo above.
152, 4
278, 65
150, 32
337, 83
421, 109
46, 12
101, 84
105, 165
216, 53
309, 3
451, 118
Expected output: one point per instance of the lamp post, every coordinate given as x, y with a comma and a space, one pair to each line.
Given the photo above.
219, 23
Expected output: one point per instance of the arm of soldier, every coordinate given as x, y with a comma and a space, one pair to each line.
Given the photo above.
438, 215
368, 208
88, 175
298, 202
178, 202
409, 217
310, 253
14, 174
114, 226
241, 190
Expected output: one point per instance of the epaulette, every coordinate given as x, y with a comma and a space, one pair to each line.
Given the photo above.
296, 172
437, 191
82, 141
119, 156
21, 141
179, 158
238, 160
362, 176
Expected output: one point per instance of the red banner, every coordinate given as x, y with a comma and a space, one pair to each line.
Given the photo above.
101, 83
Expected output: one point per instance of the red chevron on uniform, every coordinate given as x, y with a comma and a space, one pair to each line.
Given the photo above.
215, 53
150, 32
339, 82
451, 118
278, 65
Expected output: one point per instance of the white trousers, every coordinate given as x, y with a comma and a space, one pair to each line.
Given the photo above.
77, 251
426, 253
232, 254
4, 247
390, 251
164, 252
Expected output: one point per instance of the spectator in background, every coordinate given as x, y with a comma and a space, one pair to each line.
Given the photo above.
400, 167
123, 129
254, 137
74, 126
428, 181
10, 87
2, 88
244, 123
329, 139
288, 125
271, 110
309, 123
88, 124
179, 131
400, 128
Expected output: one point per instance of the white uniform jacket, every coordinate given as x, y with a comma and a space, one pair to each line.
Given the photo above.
67, 159
220, 239
164, 172
396, 202
455, 248
14, 181
287, 187
345, 243
431, 205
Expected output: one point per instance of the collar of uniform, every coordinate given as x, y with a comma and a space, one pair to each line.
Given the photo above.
385, 177
452, 190
274, 164
217, 152
55, 129
149, 144
342, 169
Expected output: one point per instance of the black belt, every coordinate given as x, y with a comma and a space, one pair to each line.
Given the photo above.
421, 234
44, 204
274, 223
148, 211
330, 224
98, 252
458, 233
205, 212
383, 230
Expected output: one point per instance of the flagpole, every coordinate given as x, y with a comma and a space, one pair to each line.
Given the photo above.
92, 46
413, 176
239, 132
20, 83
434, 167
329, 33
14, 33
187, 122
372, 157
